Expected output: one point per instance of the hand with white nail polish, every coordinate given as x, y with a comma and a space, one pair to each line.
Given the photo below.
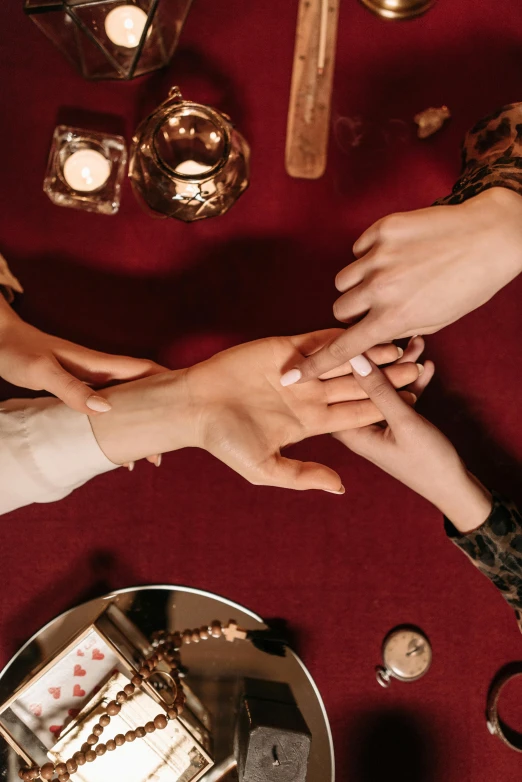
414, 451
416, 272
246, 416
29, 358
234, 406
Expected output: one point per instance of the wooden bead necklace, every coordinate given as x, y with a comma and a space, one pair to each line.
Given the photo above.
166, 647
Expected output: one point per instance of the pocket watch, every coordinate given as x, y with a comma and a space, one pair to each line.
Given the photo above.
406, 654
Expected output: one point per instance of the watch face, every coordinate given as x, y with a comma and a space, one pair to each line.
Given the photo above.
407, 653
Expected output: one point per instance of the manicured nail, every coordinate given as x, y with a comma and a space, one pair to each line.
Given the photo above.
420, 368
290, 377
400, 351
98, 404
130, 466
157, 460
361, 365
340, 491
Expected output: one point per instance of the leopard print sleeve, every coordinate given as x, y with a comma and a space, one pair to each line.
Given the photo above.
496, 549
491, 155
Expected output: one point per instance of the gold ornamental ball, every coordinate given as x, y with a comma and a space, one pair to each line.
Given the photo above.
398, 9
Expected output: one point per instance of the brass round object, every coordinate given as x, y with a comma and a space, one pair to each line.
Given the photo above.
398, 9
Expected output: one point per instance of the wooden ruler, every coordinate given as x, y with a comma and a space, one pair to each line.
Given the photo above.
311, 93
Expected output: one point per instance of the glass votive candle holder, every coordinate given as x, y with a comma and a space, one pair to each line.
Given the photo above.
85, 170
188, 161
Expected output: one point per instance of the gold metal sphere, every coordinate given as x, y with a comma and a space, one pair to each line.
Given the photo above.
398, 9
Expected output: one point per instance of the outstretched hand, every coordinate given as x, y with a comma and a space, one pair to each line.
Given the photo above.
29, 358
245, 417
417, 272
414, 451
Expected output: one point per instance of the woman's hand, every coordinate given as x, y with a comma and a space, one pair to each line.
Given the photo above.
32, 359
420, 271
414, 451
234, 407
245, 417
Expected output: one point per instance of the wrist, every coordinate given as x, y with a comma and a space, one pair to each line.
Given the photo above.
468, 505
502, 206
148, 416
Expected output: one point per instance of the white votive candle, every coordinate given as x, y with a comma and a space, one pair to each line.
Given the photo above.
124, 25
192, 167
86, 170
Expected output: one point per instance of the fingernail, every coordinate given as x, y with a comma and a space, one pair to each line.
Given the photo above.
340, 491
400, 351
420, 368
290, 377
361, 365
98, 404
158, 460
130, 466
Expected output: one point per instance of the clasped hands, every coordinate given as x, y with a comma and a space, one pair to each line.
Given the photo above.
232, 405
414, 274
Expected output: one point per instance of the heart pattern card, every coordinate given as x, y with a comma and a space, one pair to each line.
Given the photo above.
59, 694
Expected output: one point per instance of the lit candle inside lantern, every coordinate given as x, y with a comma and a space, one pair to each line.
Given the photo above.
192, 167
124, 25
86, 170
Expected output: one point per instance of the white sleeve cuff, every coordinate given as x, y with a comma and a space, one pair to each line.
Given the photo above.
46, 451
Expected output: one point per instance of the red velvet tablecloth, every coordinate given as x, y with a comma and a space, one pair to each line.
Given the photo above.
341, 570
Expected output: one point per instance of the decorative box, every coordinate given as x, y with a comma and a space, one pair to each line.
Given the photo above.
49, 708
170, 755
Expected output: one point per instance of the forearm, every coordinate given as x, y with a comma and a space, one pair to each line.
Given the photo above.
148, 416
466, 502
48, 450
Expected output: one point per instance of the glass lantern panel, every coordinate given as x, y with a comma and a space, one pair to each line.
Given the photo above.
61, 29
101, 58
34, 6
169, 18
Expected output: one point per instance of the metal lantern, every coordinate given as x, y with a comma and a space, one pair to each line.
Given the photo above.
112, 39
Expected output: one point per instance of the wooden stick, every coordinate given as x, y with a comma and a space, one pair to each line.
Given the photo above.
312, 81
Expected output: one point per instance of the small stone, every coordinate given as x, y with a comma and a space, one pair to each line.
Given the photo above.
431, 120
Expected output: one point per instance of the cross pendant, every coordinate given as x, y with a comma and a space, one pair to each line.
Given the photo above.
232, 631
